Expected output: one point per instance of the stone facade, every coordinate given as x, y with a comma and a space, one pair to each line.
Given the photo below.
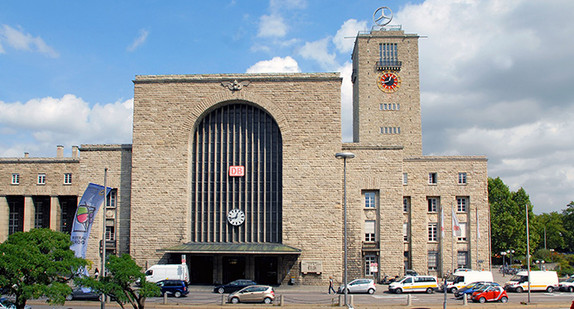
167, 193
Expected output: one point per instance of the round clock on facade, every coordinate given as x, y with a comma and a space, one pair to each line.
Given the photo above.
236, 217
389, 81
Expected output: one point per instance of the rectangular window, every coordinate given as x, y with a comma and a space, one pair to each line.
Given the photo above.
68, 178
406, 203
370, 199
461, 178
388, 57
110, 230
405, 178
463, 231
433, 178
112, 197
368, 260
41, 179
462, 259
390, 130
370, 230
432, 232
432, 204
389, 106
432, 260
15, 179
461, 203
406, 232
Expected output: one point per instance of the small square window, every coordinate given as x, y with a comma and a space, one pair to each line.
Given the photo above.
461, 178
405, 178
68, 178
370, 234
461, 204
41, 179
432, 178
406, 204
432, 232
15, 179
432, 204
370, 200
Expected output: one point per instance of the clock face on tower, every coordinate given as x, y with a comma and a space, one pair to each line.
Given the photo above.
389, 81
236, 217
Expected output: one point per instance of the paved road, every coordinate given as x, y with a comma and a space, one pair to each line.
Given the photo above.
317, 297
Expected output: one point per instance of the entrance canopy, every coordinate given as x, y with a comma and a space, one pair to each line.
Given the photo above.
233, 248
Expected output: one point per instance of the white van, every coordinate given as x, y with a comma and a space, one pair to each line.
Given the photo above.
540, 280
463, 278
167, 271
414, 284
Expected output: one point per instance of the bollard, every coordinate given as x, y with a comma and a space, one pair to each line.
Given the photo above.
222, 299
281, 300
464, 300
351, 301
409, 300
164, 298
341, 300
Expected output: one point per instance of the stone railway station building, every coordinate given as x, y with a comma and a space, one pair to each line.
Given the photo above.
236, 175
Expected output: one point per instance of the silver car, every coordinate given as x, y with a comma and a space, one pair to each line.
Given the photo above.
253, 294
359, 286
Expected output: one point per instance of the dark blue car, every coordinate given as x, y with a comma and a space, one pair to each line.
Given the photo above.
471, 288
176, 288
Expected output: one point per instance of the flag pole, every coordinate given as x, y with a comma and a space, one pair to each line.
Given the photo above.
453, 235
477, 240
103, 273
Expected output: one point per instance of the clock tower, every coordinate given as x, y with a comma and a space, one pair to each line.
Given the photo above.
386, 94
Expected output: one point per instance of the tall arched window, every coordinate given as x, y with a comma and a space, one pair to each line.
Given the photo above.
237, 134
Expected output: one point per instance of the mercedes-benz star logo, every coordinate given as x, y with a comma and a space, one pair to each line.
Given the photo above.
382, 16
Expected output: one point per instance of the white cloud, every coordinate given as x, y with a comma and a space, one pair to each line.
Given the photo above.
347, 101
142, 37
271, 26
344, 40
493, 83
19, 40
275, 65
318, 51
67, 121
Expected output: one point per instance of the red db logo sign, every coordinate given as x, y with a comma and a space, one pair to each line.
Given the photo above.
235, 171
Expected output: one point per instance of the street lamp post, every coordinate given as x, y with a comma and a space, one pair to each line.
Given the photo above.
345, 156
503, 253
510, 253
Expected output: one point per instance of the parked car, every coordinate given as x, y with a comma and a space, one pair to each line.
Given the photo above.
233, 286
7, 304
253, 294
176, 288
359, 286
407, 284
410, 272
83, 293
490, 293
470, 288
567, 285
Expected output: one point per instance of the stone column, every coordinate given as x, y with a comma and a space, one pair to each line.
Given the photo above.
29, 213
5, 214
55, 213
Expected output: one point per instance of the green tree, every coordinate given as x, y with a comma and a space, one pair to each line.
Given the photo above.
124, 282
38, 263
508, 218
551, 231
568, 223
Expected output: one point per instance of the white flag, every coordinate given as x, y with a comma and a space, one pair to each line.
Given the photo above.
455, 225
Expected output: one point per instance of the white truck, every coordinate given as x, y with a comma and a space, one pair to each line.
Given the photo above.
160, 272
463, 278
540, 280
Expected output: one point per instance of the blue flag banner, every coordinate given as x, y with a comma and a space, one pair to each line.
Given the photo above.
85, 214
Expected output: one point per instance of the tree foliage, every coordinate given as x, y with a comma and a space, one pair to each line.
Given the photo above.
508, 218
38, 263
124, 282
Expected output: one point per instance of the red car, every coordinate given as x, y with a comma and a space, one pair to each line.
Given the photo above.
490, 293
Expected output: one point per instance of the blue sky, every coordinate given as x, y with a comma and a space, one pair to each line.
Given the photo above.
496, 75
